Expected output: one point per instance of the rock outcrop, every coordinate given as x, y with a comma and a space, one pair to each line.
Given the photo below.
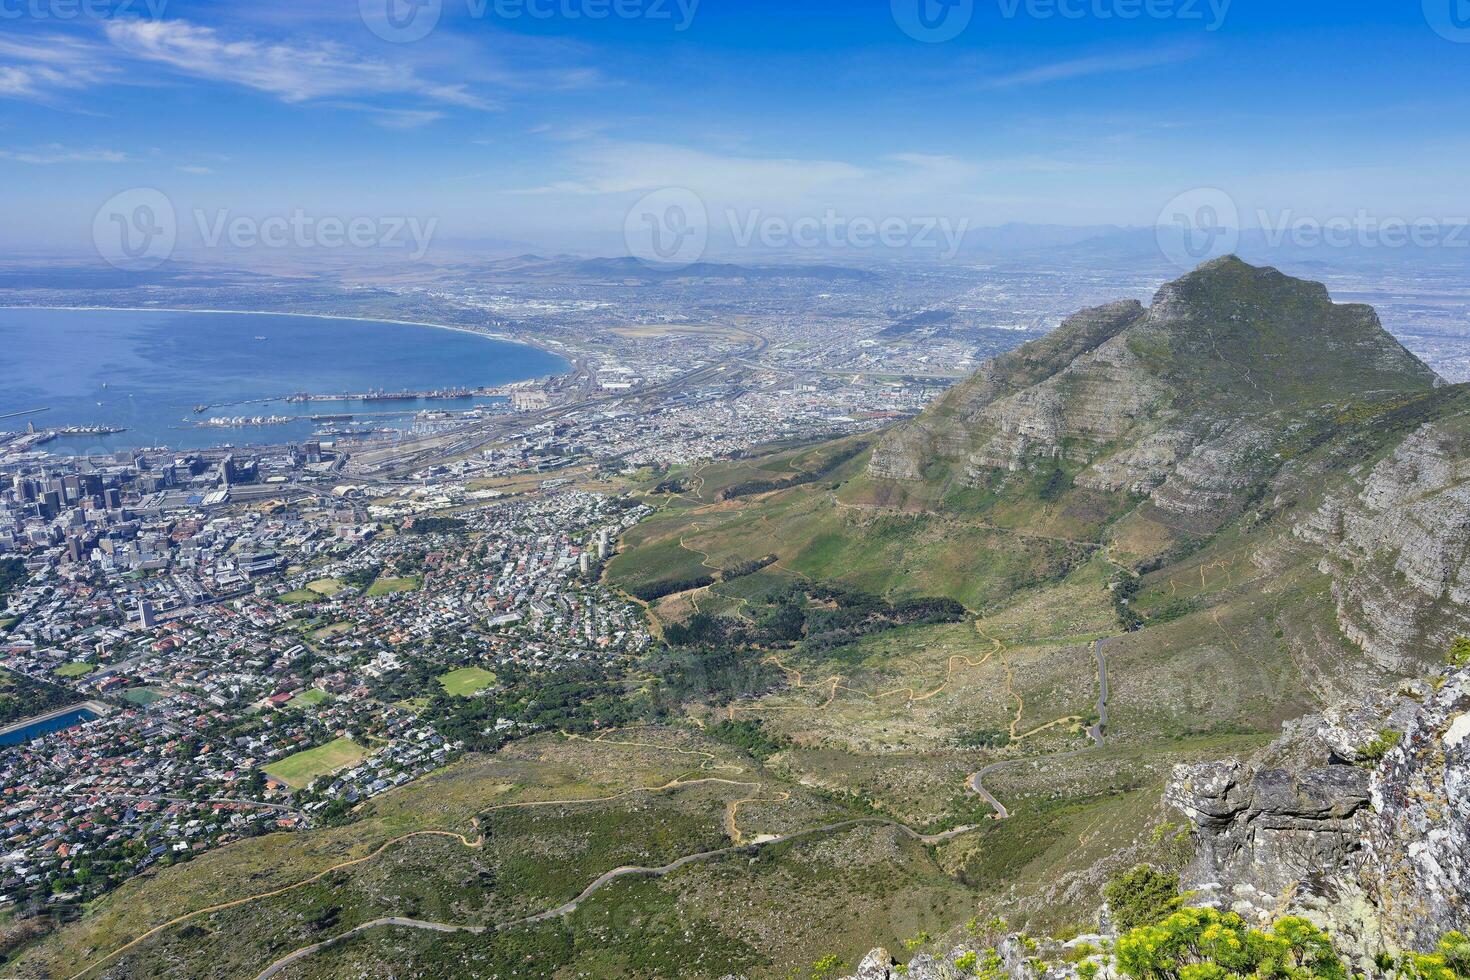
1417, 846
1380, 855
1358, 820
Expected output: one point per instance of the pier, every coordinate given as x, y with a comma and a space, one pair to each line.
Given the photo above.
19, 415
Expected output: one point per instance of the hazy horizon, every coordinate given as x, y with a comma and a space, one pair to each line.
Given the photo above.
551, 123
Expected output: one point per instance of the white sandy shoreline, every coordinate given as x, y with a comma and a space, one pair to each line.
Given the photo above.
503, 338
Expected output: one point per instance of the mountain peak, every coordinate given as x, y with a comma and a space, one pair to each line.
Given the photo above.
1230, 329
1125, 398
1229, 279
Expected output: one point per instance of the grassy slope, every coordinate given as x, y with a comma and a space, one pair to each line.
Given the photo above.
535, 857
1234, 647
1230, 653
1216, 679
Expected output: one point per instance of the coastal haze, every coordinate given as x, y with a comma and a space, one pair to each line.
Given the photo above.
709, 490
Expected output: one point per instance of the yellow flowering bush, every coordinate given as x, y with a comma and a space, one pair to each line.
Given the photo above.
1205, 944
1450, 962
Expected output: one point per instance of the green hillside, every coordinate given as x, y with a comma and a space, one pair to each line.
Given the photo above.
894, 650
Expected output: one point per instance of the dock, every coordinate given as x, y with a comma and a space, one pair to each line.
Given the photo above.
18, 415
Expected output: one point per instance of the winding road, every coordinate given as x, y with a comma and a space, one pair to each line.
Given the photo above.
1097, 733
976, 783
602, 882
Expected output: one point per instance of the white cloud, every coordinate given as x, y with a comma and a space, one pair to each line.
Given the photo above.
193, 169
599, 180
28, 81
1102, 64
563, 133
40, 67
294, 73
56, 153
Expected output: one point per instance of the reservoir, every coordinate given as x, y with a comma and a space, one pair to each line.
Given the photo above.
146, 371
48, 723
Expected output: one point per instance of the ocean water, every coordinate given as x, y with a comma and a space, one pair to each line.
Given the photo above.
146, 371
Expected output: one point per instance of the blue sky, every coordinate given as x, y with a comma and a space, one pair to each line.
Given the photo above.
504, 123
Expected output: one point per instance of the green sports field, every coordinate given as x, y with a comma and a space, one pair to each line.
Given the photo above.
299, 770
466, 682
387, 586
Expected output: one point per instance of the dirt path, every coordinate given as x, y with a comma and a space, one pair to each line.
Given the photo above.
837, 683
225, 906
707, 764
677, 783
955, 664
602, 882
1098, 734
732, 812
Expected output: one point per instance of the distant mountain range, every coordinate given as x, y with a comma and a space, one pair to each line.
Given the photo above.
629, 268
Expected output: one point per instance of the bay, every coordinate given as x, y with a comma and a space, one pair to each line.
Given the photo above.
147, 370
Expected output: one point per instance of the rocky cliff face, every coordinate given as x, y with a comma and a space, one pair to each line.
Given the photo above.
1184, 402
1417, 868
1375, 851
1378, 855
1396, 541
1024, 403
